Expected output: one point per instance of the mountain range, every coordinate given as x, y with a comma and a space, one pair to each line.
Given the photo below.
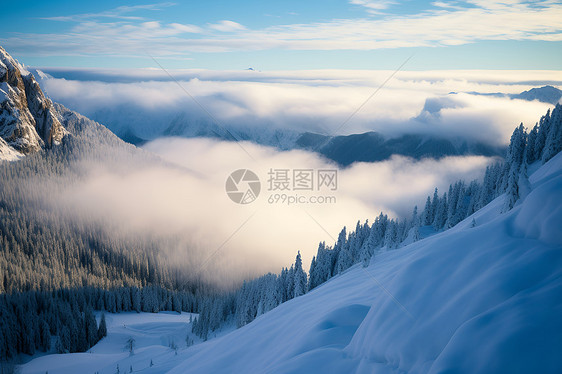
342, 149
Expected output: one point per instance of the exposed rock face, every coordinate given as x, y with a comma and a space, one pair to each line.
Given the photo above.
28, 120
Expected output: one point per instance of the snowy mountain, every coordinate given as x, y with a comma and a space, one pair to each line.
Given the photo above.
545, 94
372, 146
28, 121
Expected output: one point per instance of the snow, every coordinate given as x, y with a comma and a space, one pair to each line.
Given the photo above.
471, 299
476, 299
542, 207
153, 334
545, 94
3, 68
4, 91
8, 153
9, 63
39, 75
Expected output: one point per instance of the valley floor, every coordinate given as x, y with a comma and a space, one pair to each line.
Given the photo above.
154, 334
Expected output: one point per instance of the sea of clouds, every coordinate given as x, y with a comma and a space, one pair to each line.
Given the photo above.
184, 200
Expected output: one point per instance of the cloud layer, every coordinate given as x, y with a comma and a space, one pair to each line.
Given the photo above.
203, 232
146, 102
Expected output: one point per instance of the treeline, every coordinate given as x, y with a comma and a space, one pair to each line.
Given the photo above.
253, 299
461, 200
441, 212
55, 270
29, 320
41, 248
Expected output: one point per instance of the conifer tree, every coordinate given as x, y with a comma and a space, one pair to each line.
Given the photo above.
102, 329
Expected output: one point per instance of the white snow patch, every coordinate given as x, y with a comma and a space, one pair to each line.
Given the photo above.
8, 153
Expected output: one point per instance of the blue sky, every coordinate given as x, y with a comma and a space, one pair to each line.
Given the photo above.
286, 35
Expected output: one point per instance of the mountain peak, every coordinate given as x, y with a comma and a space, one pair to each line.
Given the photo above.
545, 94
28, 120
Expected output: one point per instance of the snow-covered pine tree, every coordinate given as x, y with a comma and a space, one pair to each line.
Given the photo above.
440, 213
91, 327
427, 218
345, 259
544, 129
390, 235
514, 159
300, 279
312, 274
102, 328
531, 142
368, 248
553, 142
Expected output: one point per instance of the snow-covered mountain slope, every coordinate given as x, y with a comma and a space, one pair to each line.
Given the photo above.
8, 153
545, 94
483, 299
28, 120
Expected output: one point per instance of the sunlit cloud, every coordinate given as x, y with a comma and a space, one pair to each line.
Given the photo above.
185, 207
117, 13
373, 6
227, 26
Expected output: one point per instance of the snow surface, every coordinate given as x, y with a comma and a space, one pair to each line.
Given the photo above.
8, 153
9, 63
153, 334
483, 299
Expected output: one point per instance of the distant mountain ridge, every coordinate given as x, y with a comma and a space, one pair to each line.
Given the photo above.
138, 127
545, 94
372, 147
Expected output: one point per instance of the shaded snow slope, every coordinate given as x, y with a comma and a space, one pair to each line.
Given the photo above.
153, 333
481, 299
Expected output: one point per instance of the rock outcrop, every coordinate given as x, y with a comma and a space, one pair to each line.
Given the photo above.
28, 120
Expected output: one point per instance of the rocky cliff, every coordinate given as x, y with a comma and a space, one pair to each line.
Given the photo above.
28, 120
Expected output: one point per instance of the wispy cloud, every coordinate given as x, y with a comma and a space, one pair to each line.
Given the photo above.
448, 5
118, 13
373, 6
443, 24
227, 26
